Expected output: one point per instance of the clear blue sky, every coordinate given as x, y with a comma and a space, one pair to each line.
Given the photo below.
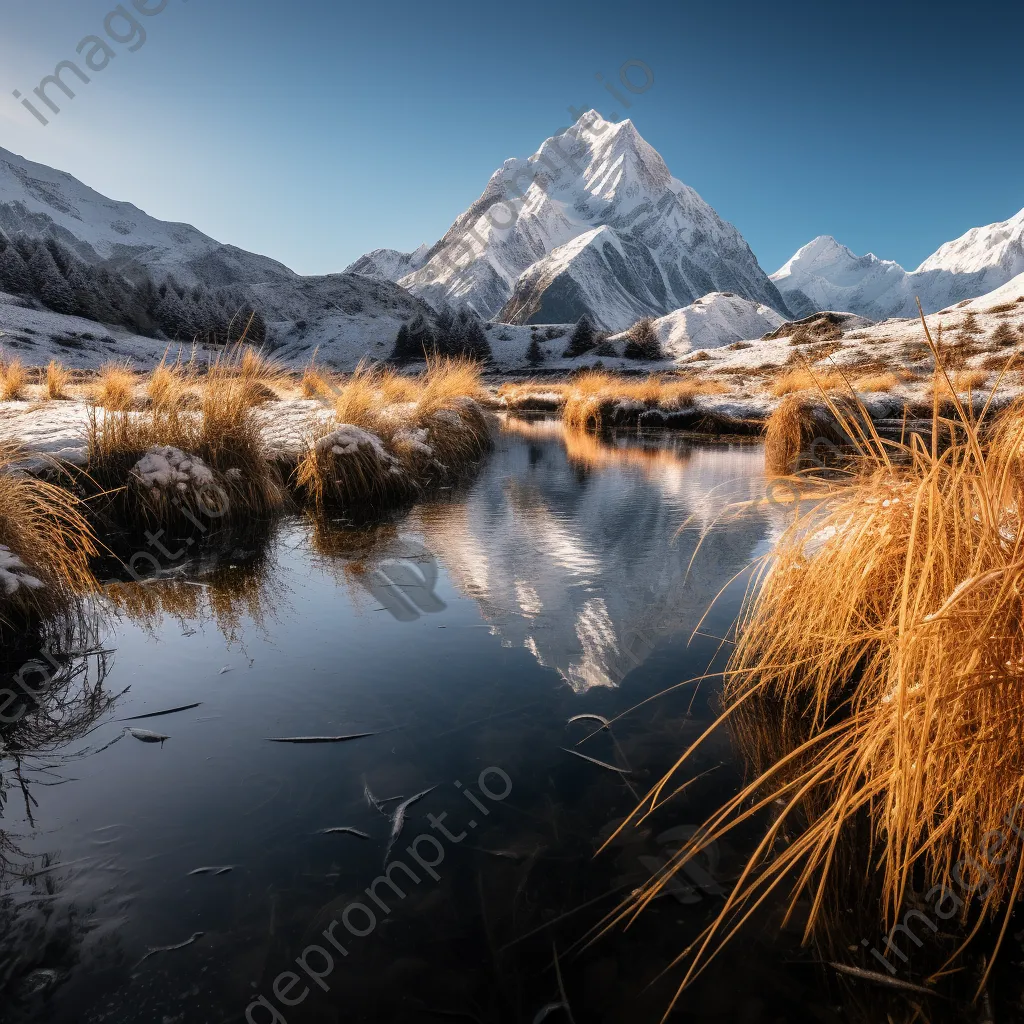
313, 131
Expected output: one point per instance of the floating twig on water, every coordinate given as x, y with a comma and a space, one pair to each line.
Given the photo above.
158, 714
399, 819
594, 760
168, 949
319, 739
342, 828
881, 979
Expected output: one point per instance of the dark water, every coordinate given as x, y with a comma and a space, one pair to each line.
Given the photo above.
565, 579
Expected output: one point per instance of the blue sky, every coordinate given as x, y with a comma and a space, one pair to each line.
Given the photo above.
315, 131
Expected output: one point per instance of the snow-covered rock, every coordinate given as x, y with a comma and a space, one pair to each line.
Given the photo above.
713, 321
167, 469
827, 275
661, 246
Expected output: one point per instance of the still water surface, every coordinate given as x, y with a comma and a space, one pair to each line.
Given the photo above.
564, 579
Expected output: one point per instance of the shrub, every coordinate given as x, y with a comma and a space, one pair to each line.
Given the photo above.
392, 435
1004, 335
175, 466
45, 546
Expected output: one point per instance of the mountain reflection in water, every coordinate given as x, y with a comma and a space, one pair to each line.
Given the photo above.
567, 577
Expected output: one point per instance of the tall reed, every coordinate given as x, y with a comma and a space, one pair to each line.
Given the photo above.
889, 623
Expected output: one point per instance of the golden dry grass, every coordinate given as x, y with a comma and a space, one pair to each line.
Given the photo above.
44, 528
315, 383
886, 627
170, 386
532, 394
223, 433
262, 378
805, 378
879, 381
114, 388
13, 381
57, 381
393, 435
592, 396
963, 382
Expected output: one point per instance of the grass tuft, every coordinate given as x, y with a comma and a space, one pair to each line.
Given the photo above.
13, 381
57, 381
45, 546
114, 389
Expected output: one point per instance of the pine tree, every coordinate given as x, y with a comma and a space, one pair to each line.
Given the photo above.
642, 341
415, 340
83, 294
51, 288
582, 338
171, 316
534, 353
402, 352
470, 337
15, 277
444, 324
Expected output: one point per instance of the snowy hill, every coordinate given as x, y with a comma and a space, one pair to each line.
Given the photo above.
715, 320
38, 200
827, 275
592, 221
41, 202
389, 264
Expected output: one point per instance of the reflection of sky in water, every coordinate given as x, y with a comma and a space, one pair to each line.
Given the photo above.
562, 556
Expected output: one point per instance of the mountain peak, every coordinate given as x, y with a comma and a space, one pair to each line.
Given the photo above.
592, 221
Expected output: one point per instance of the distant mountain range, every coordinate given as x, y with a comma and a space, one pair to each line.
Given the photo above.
827, 275
593, 222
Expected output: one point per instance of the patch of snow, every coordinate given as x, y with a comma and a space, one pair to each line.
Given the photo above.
14, 573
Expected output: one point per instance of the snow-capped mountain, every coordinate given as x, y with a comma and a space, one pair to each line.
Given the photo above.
827, 275
39, 201
389, 264
713, 321
591, 222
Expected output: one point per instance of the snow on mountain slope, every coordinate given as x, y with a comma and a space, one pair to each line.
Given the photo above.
333, 308
597, 272
827, 275
713, 321
389, 263
596, 175
981, 260
1012, 291
39, 200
